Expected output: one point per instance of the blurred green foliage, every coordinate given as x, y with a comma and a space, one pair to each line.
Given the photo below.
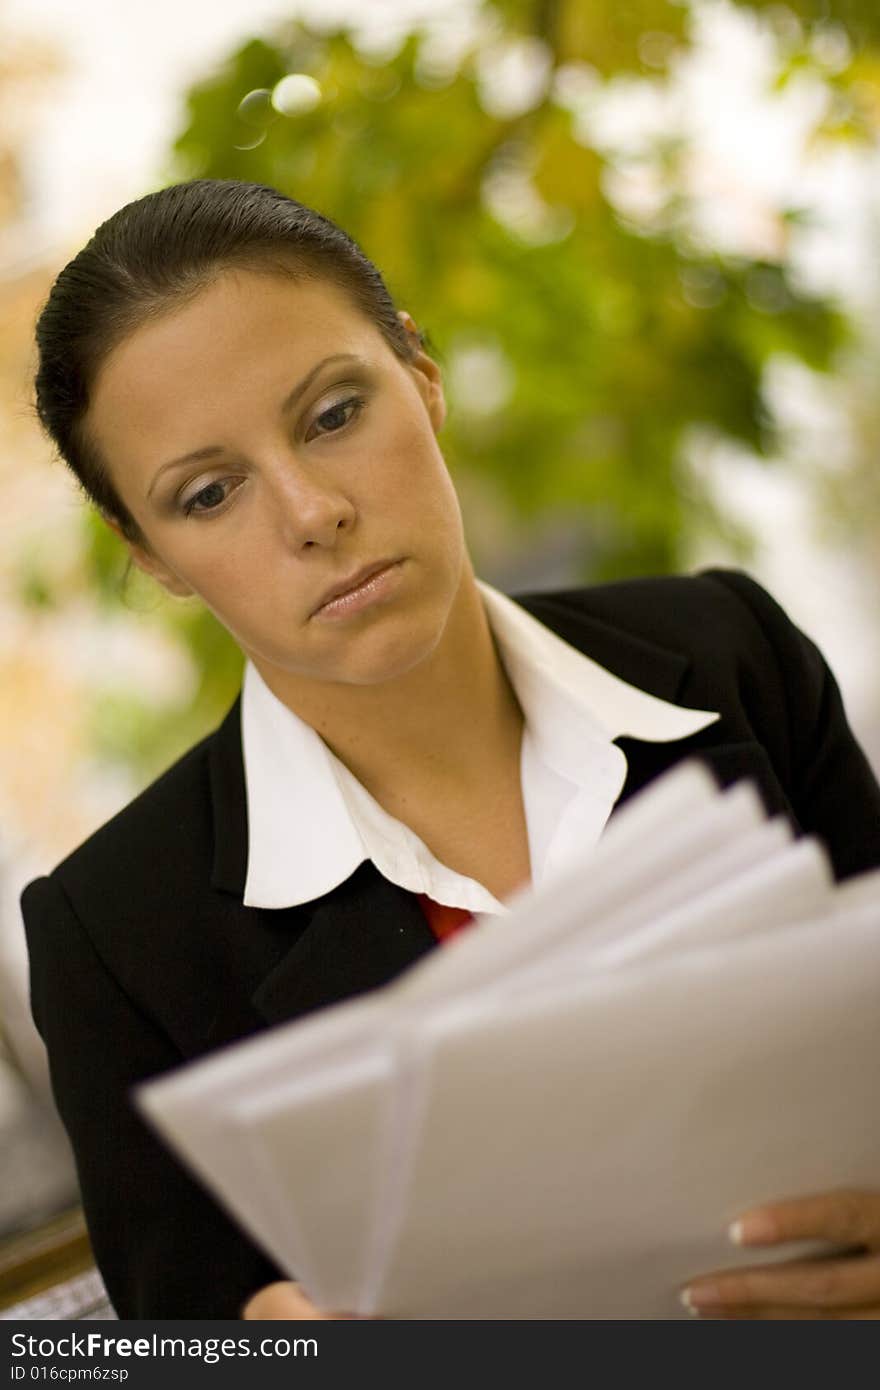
581, 345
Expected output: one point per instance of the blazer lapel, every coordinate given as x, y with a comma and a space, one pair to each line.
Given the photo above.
352, 940
661, 672
229, 805
729, 762
357, 938
637, 660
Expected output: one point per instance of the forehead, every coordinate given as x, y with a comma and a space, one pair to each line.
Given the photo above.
242, 338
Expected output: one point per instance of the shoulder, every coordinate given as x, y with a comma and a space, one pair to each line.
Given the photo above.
731, 636
714, 607
178, 800
739, 654
134, 911
157, 850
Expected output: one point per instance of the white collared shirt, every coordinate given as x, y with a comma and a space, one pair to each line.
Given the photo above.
311, 822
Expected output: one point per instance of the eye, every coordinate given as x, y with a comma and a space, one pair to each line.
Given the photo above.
208, 498
336, 416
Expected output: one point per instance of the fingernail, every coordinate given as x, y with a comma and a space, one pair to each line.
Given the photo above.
700, 1296
758, 1226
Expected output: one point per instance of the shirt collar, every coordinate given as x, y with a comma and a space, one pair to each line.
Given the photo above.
551, 676
305, 812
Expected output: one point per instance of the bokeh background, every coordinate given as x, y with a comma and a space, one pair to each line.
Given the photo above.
642, 236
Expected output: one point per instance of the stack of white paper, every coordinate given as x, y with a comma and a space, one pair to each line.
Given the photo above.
559, 1113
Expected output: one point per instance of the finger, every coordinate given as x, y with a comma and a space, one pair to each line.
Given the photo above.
781, 1313
830, 1284
283, 1301
290, 1301
761, 1313
849, 1217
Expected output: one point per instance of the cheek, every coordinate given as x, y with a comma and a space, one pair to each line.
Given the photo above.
409, 470
231, 580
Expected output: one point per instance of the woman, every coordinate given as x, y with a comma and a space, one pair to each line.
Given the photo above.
227, 376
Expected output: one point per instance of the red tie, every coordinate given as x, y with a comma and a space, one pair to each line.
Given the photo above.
444, 921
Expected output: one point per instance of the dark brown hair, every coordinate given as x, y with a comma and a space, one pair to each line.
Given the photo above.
152, 256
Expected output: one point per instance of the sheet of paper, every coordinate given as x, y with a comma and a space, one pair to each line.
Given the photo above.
584, 1158
785, 887
704, 895
193, 1109
321, 1155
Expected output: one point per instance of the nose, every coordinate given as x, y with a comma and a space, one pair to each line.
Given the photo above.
309, 507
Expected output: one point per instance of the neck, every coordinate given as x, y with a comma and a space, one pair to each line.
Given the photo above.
446, 722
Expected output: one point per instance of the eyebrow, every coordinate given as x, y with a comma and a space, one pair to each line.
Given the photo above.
290, 400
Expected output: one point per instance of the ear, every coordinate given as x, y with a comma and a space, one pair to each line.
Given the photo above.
427, 374
143, 557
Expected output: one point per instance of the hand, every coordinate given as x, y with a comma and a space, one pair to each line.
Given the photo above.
286, 1300
842, 1286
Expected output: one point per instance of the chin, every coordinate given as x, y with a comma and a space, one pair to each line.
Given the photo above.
391, 650
392, 661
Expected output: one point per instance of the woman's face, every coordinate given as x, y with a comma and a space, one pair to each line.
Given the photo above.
309, 460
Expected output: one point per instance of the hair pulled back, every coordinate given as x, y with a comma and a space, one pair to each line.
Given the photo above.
152, 256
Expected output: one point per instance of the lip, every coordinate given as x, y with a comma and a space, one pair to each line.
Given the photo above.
354, 585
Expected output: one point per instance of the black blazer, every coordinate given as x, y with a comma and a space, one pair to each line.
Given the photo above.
143, 955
